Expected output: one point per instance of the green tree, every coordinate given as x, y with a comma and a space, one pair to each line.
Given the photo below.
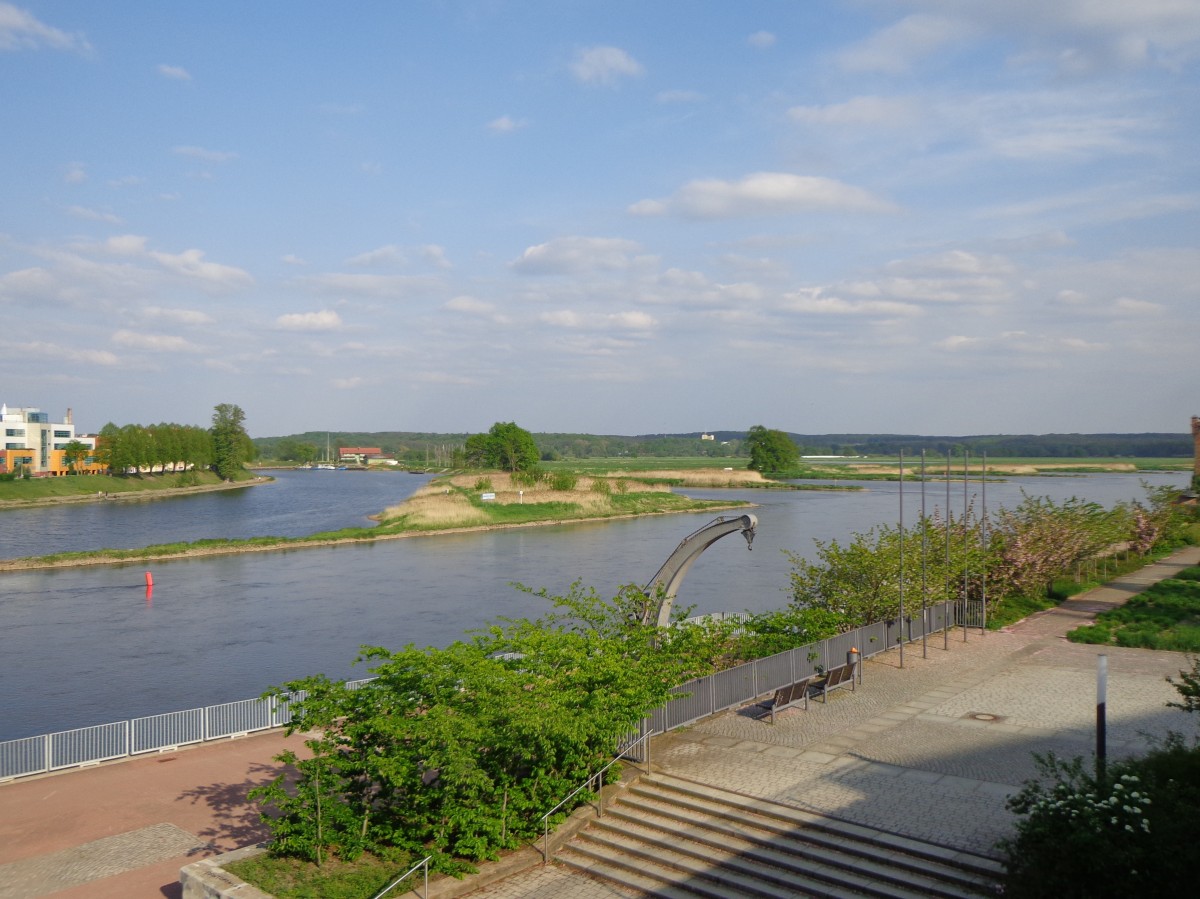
506, 446
75, 452
231, 444
771, 450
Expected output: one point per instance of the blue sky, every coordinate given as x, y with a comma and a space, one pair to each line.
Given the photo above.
919, 216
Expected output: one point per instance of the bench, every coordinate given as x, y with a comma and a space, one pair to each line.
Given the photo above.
786, 697
841, 676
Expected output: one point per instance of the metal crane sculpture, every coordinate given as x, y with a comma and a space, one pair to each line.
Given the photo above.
665, 584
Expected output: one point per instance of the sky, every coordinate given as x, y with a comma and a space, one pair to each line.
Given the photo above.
613, 217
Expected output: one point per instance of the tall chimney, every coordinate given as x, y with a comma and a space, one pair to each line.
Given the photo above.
1196, 445
68, 418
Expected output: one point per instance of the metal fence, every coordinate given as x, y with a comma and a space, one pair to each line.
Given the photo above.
695, 700
734, 687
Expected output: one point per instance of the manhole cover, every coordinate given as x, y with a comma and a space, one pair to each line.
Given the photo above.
986, 717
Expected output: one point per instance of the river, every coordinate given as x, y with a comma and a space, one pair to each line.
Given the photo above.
86, 646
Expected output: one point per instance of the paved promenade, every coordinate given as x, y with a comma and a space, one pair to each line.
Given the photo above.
930, 750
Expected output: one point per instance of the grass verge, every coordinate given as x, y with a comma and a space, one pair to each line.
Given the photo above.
1164, 616
291, 878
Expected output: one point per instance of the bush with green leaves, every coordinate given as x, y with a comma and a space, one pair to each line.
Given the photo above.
1082, 837
458, 752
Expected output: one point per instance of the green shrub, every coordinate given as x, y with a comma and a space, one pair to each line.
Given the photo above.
530, 477
1080, 837
562, 480
483, 483
601, 485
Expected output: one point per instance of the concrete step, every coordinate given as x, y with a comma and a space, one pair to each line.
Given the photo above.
726, 871
661, 878
982, 868
779, 858
672, 837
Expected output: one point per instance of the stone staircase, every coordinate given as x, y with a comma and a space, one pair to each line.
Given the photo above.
675, 838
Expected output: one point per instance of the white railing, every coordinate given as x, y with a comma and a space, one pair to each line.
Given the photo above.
137, 736
700, 698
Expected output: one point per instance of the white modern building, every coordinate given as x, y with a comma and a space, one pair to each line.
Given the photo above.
34, 443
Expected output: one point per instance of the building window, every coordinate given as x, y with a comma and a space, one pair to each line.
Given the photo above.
14, 432
62, 433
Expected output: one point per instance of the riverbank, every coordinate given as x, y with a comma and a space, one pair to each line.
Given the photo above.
108, 489
455, 504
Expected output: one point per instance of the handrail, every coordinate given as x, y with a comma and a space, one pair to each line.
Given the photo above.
644, 738
423, 863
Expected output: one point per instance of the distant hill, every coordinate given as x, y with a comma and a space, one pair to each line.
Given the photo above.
422, 448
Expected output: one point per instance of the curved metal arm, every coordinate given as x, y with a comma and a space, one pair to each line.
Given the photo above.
669, 576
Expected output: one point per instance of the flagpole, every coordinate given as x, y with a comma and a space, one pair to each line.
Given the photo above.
946, 573
901, 558
924, 559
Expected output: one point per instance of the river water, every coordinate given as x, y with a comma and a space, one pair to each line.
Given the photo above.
87, 645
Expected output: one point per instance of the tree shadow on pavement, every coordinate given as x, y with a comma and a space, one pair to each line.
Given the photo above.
235, 820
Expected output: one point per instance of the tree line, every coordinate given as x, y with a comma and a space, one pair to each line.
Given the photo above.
418, 448
224, 446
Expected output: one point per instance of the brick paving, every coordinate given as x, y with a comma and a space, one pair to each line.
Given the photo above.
905, 752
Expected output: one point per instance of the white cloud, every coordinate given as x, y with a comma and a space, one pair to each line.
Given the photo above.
390, 254
893, 50
600, 321
190, 264
890, 111
125, 245
176, 73
505, 124
179, 316
470, 305
374, 286
577, 255
816, 303
1135, 307
203, 154
76, 173
39, 349
325, 320
157, 343
26, 283
435, 255
349, 383
93, 215
604, 65
761, 40
1076, 37
292, 259
21, 30
762, 193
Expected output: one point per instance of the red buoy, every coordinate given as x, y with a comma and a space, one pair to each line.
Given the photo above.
149, 579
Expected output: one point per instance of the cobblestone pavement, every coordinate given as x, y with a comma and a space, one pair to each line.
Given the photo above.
552, 882
45, 874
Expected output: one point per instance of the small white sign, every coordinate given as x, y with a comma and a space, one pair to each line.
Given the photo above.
487, 496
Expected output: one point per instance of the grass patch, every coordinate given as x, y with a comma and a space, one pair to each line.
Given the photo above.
1165, 616
32, 490
291, 878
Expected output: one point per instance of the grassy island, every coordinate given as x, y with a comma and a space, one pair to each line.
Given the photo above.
461, 502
